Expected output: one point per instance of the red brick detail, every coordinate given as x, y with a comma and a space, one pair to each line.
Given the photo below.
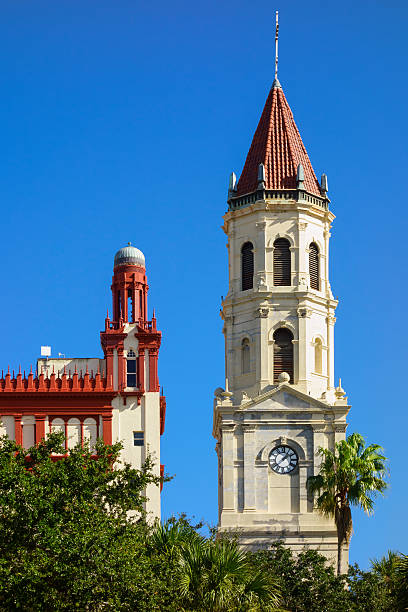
278, 145
162, 414
153, 379
107, 427
141, 369
129, 281
121, 368
39, 427
18, 430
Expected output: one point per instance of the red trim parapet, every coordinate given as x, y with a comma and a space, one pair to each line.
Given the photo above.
55, 383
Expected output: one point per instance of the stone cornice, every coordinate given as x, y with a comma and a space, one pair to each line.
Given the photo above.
308, 296
279, 205
291, 390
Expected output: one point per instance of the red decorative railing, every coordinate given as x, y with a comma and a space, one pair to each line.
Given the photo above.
141, 323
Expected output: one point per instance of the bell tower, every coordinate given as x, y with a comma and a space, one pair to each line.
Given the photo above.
280, 402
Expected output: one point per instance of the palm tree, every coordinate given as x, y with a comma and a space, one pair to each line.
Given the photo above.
217, 576
402, 573
351, 475
171, 537
386, 568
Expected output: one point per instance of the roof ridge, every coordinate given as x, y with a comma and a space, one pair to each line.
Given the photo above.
295, 127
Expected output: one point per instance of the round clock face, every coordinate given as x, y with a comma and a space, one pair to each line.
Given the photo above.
283, 459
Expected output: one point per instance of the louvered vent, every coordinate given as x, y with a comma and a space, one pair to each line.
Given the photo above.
247, 266
282, 354
281, 263
314, 266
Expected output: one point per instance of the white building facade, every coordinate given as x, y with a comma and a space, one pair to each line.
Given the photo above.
280, 403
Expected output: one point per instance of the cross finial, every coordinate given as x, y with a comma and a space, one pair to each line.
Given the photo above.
276, 45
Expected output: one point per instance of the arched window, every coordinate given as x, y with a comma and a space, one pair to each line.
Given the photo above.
73, 432
28, 425
282, 353
131, 369
90, 432
314, 266
130, 307
247, 266
281, 263
318, 356
59, 425
245, 356
7, 426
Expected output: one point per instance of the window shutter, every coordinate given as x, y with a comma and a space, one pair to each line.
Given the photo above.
282, 354
281, 263
247, 266
314, 266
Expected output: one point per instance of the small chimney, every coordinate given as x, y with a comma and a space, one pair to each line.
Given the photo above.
300, 177
261, 176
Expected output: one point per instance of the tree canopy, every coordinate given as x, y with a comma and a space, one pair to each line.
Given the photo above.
66, 541
74, 536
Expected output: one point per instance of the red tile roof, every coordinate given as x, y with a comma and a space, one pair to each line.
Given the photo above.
278, 145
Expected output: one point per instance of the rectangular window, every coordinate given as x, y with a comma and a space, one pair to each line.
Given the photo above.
131, 373
138, 438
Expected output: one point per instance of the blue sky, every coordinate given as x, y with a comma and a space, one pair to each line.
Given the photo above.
122, 121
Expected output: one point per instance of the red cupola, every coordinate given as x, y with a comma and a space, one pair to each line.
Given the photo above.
130, 328
129, 286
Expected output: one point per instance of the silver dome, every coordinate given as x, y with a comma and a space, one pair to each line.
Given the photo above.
129, 255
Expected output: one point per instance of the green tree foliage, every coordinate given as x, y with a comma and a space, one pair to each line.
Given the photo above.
402, 582
217, 576
213, 575
308, 582
368, 592
386, 569
65, 540
351, 475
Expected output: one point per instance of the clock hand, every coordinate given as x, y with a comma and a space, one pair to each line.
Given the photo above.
283, 458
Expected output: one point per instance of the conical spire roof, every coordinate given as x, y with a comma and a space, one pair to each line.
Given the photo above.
277, 145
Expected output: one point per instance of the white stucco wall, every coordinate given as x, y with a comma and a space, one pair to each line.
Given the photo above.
47, 366
130, 417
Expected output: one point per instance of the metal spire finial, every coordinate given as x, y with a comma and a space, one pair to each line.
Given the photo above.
276, 45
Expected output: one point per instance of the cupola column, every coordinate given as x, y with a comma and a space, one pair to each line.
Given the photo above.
123, 301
